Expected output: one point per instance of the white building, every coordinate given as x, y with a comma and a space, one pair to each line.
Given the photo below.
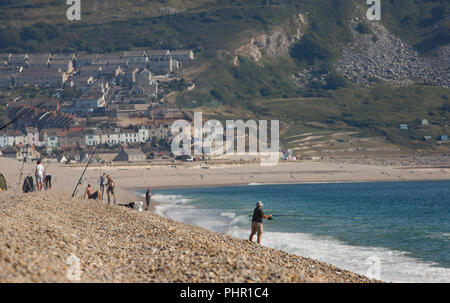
128, 136
52, 140
143, 134
13, 137
93, 137
110, 137
117, 136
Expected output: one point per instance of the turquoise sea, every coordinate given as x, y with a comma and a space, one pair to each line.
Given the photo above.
400, 228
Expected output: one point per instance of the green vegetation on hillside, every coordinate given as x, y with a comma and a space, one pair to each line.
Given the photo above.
424, 24
207, 29
379, 110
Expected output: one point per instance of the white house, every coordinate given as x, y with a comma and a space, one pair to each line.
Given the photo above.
52, 140
128, 136
93, 137
143, 134
110, 137
3, 140
116, 136
13, 137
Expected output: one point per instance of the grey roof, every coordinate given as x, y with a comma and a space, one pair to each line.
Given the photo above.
133, 152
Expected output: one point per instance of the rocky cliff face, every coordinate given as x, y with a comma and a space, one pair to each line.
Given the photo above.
274, 44
380, 55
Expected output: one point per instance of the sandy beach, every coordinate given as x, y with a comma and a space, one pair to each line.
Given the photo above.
129, 178
38, 232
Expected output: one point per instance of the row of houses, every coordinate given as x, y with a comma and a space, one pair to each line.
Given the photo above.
40, 113
41, 77
30, 153
74, 137
20, 152
126, 58
54, 70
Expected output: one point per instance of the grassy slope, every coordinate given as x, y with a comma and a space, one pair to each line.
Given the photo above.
414, 21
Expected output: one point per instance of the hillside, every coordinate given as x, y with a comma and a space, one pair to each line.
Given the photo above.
368, 77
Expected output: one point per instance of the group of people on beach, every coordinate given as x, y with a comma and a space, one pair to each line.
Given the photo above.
106, 182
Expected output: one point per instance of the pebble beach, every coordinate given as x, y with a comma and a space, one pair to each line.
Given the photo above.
40, 231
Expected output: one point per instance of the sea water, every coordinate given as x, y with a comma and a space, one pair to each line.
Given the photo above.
400, 229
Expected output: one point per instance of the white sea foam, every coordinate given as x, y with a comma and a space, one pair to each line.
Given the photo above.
228, 215
394, 266
171, 199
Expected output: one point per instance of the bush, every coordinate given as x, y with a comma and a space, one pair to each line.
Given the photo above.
335, 81
363, 28
310, 49
215, 94
265, 92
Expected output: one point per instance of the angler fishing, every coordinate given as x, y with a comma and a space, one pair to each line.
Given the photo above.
84, 171
257, 222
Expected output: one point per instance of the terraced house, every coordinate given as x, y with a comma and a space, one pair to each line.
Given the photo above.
66, 65
184, 56
116, 136
41, 78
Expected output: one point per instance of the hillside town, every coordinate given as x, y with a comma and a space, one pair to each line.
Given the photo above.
111, 102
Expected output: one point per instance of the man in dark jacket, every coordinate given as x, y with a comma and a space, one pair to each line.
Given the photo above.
257, 222
148, 196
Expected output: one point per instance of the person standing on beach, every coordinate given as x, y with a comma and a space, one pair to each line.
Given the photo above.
103, 182
39, 174
110, 190
148, 196
257, 222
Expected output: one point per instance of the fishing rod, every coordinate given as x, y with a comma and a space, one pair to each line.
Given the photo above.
84, 171
302, 216
21, 172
